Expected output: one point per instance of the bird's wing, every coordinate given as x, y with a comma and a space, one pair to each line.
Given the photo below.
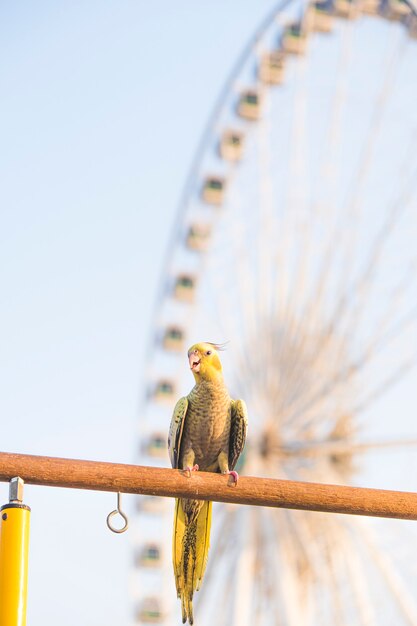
238, 427
175, 431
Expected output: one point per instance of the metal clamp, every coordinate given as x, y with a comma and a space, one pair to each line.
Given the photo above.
16, 489
118, 511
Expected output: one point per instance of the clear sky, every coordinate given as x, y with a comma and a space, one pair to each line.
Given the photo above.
102, 105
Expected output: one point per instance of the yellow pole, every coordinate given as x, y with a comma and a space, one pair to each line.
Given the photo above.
14, 549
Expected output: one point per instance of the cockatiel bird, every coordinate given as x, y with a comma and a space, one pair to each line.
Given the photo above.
207, 432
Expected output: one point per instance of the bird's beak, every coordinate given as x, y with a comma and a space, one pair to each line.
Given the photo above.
194, 361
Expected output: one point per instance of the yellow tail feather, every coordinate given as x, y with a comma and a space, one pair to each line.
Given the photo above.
190, 545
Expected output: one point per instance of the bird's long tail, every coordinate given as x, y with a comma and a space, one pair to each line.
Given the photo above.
190, 545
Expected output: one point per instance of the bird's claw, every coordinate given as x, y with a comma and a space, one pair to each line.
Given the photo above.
189, 469
235, 477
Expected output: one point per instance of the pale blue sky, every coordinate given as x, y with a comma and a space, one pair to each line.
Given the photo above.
102, 105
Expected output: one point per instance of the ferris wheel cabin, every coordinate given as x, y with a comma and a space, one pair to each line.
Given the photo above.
164, 390
173, 339
319, 17
213, 190
412, 26
271, 68
231, 145
294, 38
370, 7
397, 9
198, 237
150, 611
156, 445
250, 106
185, 286
348, 9
150, 504
149, 556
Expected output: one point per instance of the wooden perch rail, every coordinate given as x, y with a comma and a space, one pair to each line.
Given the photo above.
100, 476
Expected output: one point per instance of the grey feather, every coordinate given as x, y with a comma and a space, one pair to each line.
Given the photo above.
175, 431
238, 428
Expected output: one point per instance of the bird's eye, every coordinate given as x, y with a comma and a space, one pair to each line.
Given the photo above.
208, 352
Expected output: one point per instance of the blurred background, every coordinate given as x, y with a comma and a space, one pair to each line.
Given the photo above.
160, 187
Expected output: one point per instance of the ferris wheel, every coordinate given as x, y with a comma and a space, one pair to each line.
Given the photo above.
295, 242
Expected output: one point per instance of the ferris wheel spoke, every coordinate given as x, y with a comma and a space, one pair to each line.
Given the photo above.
264, 571
231, 303
317, 545
361, 591
358, 583
244, 572
346, 373
298, 406
304, 555
296, 194
356, 298
338, 231
393, 581
221, 607
385, 566
330, 538
304, 246
372, 350
396, 300
394, 58
330, 448
347, 569
349, 236
327, 170
386, 384
265, 211
392, 299
288, 560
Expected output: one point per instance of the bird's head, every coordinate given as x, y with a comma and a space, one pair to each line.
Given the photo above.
204, 361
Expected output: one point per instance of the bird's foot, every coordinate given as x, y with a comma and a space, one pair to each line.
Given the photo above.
235, 477
189, 469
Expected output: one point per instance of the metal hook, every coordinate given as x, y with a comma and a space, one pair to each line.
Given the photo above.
118, 511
